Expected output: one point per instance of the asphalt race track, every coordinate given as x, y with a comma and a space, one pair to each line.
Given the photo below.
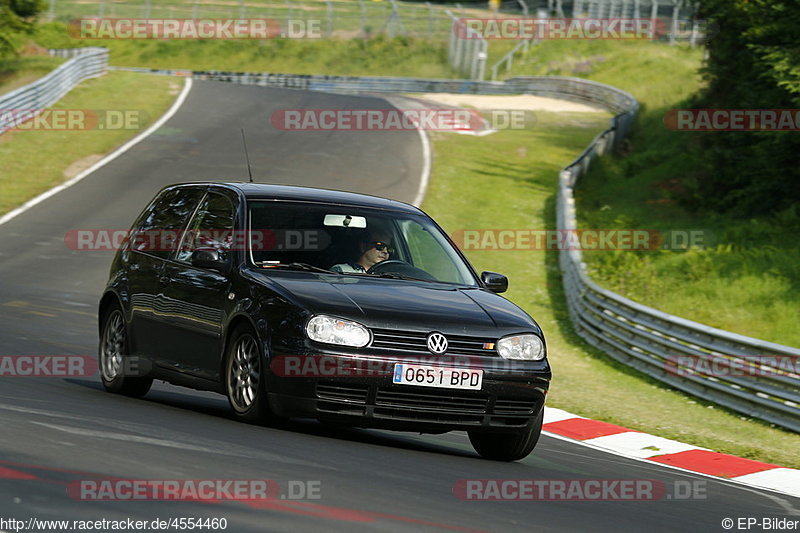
56, 431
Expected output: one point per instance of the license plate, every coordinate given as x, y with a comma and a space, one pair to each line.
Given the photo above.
437, 376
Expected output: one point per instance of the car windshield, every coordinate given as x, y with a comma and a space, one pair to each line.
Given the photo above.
352, 242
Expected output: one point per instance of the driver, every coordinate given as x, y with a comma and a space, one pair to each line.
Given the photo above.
375, 249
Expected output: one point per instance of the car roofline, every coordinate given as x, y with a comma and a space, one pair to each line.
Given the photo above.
265, 191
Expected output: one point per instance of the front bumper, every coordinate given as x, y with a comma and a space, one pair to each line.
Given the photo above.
357, 390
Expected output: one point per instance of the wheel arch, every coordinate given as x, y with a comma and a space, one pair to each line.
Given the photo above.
106, 302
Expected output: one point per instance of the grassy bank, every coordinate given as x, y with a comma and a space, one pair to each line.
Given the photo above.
18, 71
508, 180
34, 161
379, 56
741, 275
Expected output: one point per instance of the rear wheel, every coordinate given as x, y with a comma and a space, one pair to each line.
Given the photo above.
113, 357
508, 446
245, 379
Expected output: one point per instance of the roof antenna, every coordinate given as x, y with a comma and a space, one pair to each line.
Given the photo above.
247, 158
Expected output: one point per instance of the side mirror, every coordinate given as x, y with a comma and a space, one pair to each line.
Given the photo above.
209, 259
494, 282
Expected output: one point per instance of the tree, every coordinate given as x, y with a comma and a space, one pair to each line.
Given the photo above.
753, 62
16, 16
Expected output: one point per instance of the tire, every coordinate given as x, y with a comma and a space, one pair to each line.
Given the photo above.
245, 379
112, 354
508, 446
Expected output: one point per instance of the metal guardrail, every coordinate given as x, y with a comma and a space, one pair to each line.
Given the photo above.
653, 342
30, 100
707, 362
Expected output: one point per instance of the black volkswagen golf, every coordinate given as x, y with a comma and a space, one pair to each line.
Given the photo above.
301, 302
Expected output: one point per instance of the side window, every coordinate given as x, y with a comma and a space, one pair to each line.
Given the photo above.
210, 228
426, 252
158, 228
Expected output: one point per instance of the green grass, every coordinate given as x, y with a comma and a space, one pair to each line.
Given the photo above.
509, 180
744, 277
347, 15
35, 161
379, 56
18, 71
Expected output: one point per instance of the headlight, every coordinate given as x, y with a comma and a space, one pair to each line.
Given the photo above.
524, 347
332, 330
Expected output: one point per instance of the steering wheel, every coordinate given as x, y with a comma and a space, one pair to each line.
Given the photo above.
400, 267
378, 268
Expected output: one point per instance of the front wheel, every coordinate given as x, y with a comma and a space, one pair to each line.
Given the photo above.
245, 379
113, 357
508, 446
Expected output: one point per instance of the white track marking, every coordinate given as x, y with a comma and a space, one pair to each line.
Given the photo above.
782, 479
635, 444
551, 414
426, 168
106, 160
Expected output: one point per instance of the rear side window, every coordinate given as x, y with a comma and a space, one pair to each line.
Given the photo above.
158, 229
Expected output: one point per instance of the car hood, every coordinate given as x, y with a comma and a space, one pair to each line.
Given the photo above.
400, 304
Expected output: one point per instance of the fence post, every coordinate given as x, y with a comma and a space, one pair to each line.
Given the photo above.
242, 9
430, 19
363, 22
329, 17
676, 10
51, 13
524, 7
654, 9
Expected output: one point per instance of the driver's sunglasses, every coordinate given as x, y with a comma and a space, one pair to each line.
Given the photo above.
381, 246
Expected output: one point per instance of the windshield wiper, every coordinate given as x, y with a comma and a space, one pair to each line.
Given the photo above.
393, 275
294, 266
